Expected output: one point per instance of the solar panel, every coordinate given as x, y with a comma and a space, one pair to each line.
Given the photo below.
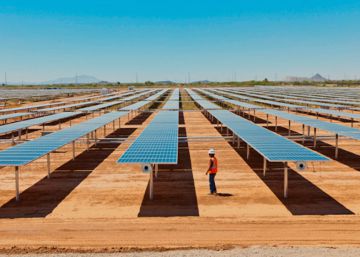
158, 143
63, 107
270, 145
231, 101
201, 101
27, 152
324, 125
15, 115
140, 104
16, 126
106, 105
173, 102
253, 99
305, 102
335, 113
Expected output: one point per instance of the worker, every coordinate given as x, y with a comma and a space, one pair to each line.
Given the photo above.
212, 170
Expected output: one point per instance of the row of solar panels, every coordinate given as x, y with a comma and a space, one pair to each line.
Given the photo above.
22, 125
63, 107
334, 113
29, 151
293, 101
158, 143
312, 122
39, 106
270, 145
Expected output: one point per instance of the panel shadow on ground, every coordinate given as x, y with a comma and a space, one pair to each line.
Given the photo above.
304, 197
43, 197
174, 189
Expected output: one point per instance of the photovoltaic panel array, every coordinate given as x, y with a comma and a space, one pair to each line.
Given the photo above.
204, 104
27, 152
304, 102
320, 124
109, 104
158, 143
68, 106
231, 101
315, 123
142, 103
173, 102
270, 145
15, 115
253, 99
21, 125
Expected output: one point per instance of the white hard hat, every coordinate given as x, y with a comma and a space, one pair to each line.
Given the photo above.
211, 151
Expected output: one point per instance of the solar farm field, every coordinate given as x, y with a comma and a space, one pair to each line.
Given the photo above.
126, 171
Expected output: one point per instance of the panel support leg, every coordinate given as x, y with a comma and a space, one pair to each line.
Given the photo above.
303, 133
314, 137
156, 170
264, 167
289, 127
336, 146
151, 186
276, 122
73, 150
87, 142
247, 151
286, 180
17, 188
48, 165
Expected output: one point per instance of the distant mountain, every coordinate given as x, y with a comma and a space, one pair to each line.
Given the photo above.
316, 78
81, 79
165, 82
202, 81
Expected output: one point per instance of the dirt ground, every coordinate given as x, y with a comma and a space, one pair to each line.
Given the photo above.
91, 204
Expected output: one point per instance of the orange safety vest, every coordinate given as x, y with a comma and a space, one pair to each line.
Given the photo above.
214, 167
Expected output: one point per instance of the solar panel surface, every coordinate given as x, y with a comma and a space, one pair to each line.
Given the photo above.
27, 152
16, 126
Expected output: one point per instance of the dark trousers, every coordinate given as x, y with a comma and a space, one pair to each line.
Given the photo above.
212, 183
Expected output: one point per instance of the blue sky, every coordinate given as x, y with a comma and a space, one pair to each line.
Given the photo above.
166, 40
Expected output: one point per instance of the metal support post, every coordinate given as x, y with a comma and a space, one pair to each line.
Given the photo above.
264, 167
336, 146
303, 133
151, 186
289, 127
73, 150
156, 170
286, 180
17, 188
48, 164
87, 142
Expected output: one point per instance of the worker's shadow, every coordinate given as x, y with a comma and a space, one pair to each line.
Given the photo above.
174, 188
40, 199
224, 194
